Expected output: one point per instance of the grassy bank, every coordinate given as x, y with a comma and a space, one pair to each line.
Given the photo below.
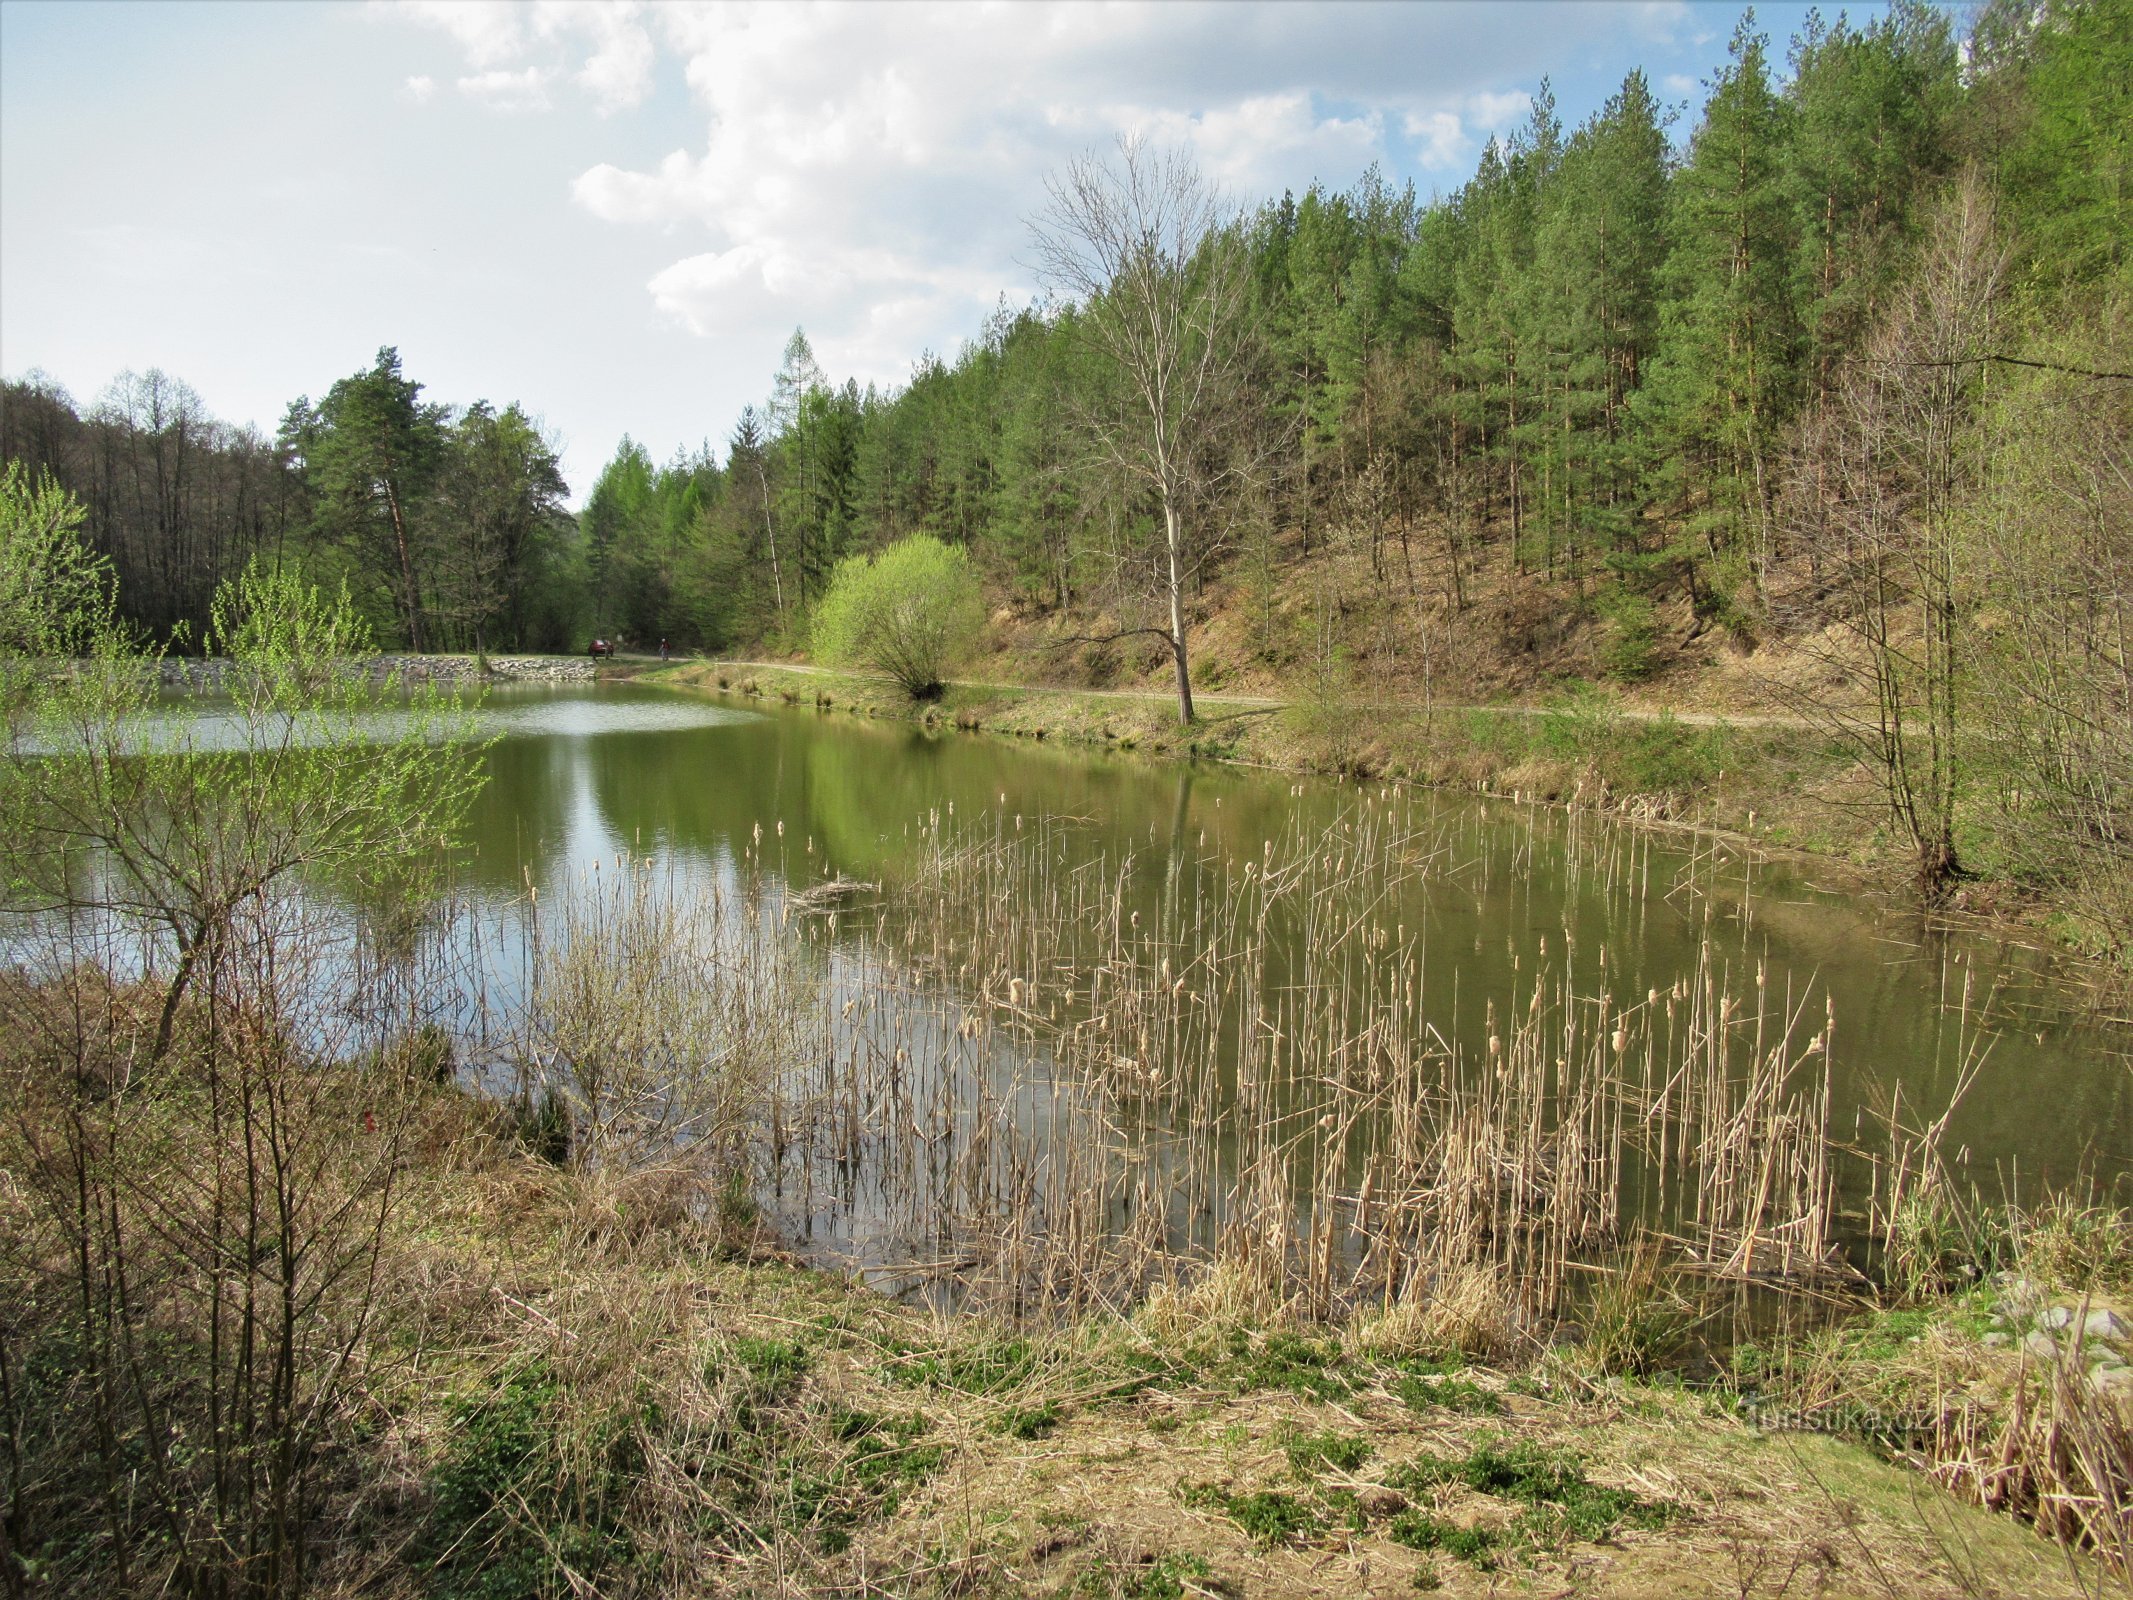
587, 1382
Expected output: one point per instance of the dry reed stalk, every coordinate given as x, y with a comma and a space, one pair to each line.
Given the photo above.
1056, 1078
2055, 1449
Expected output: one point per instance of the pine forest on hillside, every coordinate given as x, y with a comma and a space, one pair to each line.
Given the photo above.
1841, 367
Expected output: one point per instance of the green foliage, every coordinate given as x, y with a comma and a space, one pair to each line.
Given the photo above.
1312, 1453
1632, 632
1169, 1576
1722, 377
295, 785
1267, 1515
774, 1366
504, 552
1028, 1422
908, 614
1418, 1530
371, 453
56, 594
1560, 1502
1635, 1323
2078, 1247
1316, 1368
1424, 1392
881, 1459
520, 1510
1660, 756
2068, 173
202, 845
981, 1367
544, 1128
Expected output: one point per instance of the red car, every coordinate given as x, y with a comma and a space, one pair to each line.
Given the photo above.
603, 647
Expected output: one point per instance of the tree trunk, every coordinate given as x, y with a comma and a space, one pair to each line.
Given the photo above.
770, 535
1173, 533
407, 572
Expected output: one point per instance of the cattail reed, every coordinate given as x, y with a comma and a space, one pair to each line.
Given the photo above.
1044, 1078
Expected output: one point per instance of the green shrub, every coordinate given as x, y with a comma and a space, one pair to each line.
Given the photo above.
908, 614
1632, 633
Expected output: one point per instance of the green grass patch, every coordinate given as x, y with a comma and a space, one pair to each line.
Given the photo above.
1027, 1422
528, 1502
1315, 1368
1170, 1576
774, 1367
1420, 1392
1267, 1516
1560, 1502
881, 1459
988, 1367
1418, 1530
1313, 1453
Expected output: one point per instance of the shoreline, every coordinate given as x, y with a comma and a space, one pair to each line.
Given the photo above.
1761, 813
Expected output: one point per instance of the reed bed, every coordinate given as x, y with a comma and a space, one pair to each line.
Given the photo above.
1050, 1078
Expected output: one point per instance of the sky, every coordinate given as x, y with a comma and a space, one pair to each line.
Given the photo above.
615, 214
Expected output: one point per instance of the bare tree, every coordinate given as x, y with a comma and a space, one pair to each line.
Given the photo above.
2054, 553
1884, 481
1146, 248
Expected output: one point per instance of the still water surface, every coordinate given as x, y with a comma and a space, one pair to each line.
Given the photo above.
584, 775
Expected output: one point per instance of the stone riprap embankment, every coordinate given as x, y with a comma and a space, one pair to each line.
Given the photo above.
211, 674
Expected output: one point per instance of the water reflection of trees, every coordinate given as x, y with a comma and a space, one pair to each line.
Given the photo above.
1516, 882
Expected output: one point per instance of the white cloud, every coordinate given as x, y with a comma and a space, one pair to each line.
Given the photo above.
491, 32
1678, 83
614, 195
1498, 113
875, 189
866, 170
1440, 139
420, 88
619, 74
524, 90
610, 35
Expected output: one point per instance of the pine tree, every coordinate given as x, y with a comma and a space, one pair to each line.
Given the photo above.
1724, 380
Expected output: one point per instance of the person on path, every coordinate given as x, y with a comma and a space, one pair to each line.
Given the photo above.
662, 652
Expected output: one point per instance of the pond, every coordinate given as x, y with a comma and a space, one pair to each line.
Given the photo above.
1475, 943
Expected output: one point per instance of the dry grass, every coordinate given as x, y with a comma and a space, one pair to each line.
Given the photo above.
1175, 1484
702, 1402
591, 1378
1956, 1385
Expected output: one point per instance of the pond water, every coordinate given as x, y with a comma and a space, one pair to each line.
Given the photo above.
1108, 1014
1500, 895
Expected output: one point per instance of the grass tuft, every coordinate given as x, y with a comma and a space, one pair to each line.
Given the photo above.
1267, 1516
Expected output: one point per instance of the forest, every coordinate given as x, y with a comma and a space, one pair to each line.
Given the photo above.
1843, 366
1605, 358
